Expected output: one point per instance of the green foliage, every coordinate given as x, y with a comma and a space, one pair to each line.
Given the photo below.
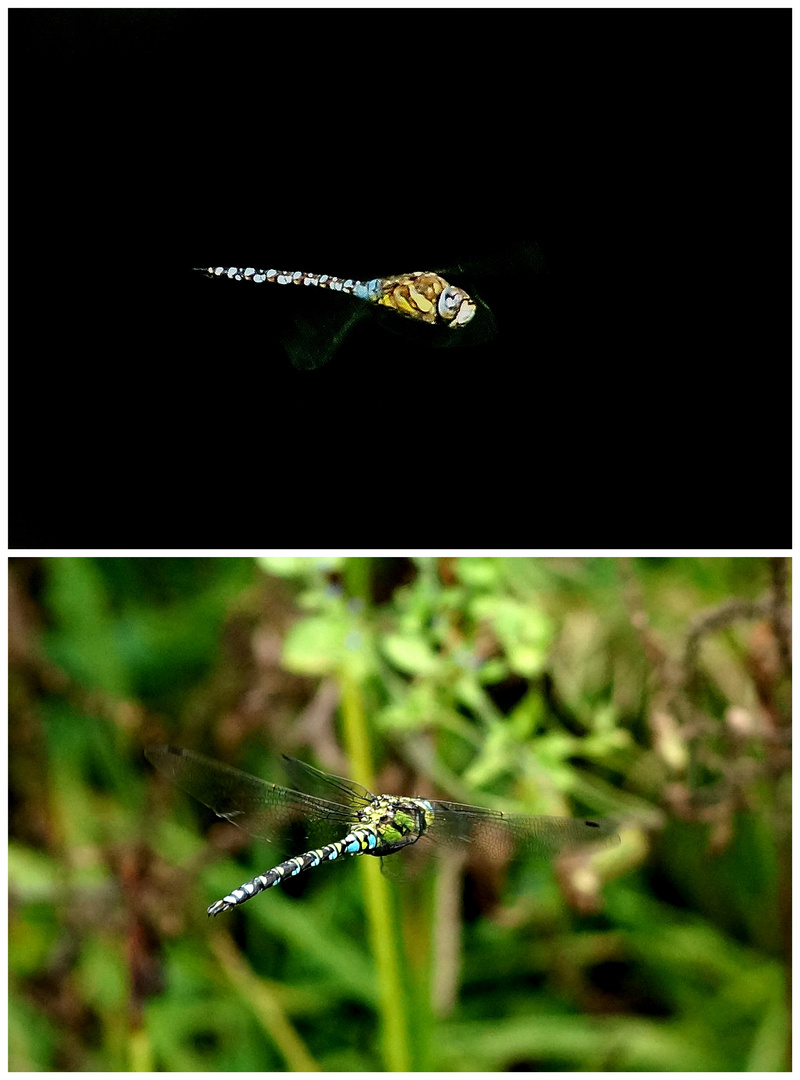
654, 690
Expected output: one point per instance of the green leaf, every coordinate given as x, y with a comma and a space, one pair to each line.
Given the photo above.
410, 653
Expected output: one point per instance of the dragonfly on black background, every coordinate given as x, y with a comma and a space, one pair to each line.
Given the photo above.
431, 309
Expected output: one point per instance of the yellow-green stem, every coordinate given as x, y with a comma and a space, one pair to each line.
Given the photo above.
382, 931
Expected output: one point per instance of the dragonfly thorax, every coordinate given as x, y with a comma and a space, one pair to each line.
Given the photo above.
397, 821
427, 296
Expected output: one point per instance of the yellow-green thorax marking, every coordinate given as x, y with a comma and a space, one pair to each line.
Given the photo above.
397, 822
428, 297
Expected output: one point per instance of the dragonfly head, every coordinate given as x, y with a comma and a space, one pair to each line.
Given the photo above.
455, 306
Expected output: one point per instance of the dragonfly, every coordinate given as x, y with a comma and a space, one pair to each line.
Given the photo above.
354, 821
422, 306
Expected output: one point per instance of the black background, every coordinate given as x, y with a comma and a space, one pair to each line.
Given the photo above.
636, 395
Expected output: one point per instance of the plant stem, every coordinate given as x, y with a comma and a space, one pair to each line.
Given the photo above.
382, 931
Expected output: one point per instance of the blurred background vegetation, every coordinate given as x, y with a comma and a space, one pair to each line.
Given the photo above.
653, 689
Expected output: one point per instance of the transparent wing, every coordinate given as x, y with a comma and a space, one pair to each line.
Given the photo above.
454, 823
314, 338
326, 785
481, 328
402, 870
506, 270
505, 260
260, 808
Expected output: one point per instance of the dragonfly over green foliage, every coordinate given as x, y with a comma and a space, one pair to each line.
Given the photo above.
347, 819
424, 307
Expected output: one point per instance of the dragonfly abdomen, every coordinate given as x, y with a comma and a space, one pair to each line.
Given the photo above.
364, 290
358, 842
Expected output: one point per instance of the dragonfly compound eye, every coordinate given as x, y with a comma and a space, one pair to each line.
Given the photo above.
455, 306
